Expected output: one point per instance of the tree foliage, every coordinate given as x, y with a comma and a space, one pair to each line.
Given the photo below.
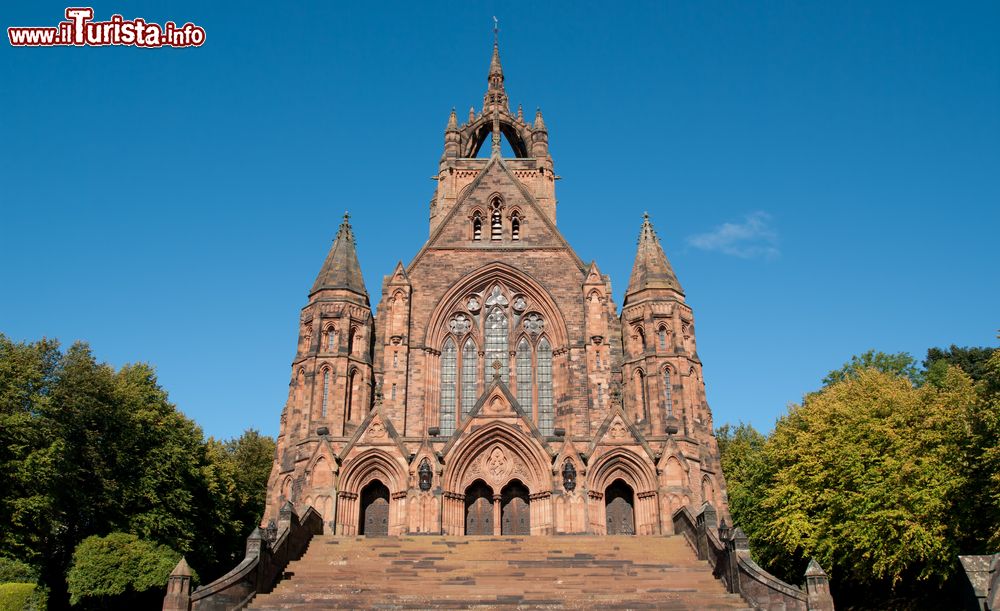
88, 450
883, 479
117, 568
899, 364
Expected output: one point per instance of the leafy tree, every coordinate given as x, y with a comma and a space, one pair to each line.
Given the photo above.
114, 571
16, 571
899, 364
87, 450
973, 361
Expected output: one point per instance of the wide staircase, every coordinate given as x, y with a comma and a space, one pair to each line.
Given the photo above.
563, 572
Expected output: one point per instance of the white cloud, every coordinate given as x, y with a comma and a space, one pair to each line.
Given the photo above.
754, 237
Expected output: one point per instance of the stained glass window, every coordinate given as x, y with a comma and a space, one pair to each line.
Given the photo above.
449, 358
523, 363
545, 411
496, 343
470, 367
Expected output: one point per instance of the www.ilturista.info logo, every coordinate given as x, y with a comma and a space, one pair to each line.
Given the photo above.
80, 30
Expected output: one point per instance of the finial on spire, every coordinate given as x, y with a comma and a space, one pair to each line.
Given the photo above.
496, 31
539, 121
452, 120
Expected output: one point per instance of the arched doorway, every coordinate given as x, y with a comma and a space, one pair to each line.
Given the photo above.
374, 510
479, 509
515, 516
619, 500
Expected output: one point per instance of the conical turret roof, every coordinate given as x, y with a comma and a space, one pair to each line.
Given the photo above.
651, 269
341, 269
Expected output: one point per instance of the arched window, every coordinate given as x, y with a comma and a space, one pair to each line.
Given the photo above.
331, 339
600, 394
515, 228
642, 338
666, 392
349, 398
545, 412
496, 343
477, 226
524, 381
640, 396
326, 391
496, 221
449, 358
470, 367
598, 353
351, 338
663, 339
393, 395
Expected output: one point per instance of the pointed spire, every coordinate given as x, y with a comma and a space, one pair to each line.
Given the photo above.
495, 94
814, 569
539, 121
452, 120
182, 569
651, 270
520, 113
341, 269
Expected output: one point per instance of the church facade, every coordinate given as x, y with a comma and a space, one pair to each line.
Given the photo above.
496, 389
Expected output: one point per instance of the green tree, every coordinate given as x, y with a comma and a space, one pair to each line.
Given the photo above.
115, 571
973, 361
87, 450
899, 364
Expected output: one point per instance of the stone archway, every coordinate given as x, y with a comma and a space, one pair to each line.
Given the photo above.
498, 453
360, 474
634, 470
619, 508
515, 514
374, 514
479, 509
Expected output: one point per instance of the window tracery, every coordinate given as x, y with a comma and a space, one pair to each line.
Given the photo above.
449, 362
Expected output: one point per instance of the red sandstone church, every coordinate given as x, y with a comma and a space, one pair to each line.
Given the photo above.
427, 455
498, 390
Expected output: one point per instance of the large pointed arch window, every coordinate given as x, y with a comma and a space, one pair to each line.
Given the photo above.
524, 381
496, 343
545, 411
449, 363
470, 370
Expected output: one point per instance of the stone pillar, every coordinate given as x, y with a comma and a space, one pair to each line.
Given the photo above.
496, 515
818, 588
178, 596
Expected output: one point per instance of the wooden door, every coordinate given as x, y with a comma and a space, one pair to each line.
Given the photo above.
377, 518
479, 517
516, 517
621, 518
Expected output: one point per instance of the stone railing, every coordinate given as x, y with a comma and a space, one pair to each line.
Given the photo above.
984, 581
728, 554
268, 553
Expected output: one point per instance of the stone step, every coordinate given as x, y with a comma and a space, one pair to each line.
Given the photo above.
559, 572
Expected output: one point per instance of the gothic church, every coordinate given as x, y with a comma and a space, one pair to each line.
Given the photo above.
498, 390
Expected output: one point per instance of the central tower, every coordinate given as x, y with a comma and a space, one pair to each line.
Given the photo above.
498, 389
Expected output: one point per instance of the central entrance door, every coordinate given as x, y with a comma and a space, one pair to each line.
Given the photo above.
516, 518
618, 503
479, 509
374, 510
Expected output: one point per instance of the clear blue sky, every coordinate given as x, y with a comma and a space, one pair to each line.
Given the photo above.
825, 176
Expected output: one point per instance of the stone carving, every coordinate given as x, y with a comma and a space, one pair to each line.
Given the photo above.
377, 429
496, 298
425, 475
569, 476
520, 304
534, 324
459, 324
473, 304
497, 464
617, 430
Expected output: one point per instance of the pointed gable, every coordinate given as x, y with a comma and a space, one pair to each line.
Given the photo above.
341, 270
